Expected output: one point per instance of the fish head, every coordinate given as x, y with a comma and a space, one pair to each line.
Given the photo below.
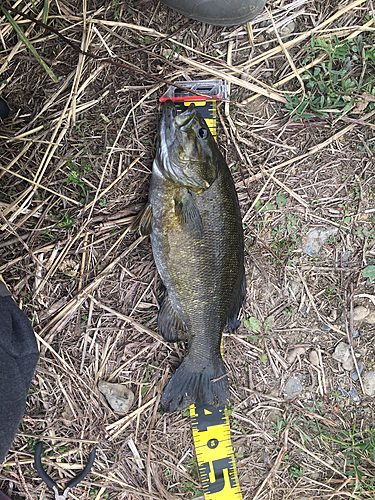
186, 149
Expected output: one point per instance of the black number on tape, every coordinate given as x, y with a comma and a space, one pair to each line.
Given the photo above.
207, 416
212, 443
219, 466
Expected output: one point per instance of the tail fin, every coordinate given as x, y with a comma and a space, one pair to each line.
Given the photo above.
208, 385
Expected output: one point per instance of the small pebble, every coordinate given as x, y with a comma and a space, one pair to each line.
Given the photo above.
293, 387
346, 256
119, 397
166, 53
295, 286
69, 267
370, 319
333, 316
298, 351
325, 327
355, 331
342, 352
360, 313
316, 238
314, 358
354, 395
348, 365
288, 29
368, 380
354, 373
67, 414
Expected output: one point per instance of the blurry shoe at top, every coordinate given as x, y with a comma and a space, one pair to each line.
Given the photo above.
218, 12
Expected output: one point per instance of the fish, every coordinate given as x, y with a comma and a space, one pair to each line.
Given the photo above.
194, 221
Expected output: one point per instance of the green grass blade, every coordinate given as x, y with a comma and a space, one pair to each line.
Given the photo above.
45, 11
28, 44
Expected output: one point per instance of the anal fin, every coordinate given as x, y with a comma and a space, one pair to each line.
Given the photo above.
170, 325
232, 317
143, 221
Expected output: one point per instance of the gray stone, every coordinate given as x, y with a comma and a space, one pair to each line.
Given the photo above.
288, 29
354, 373
316, 238
370, 319
166, 53
314, 358
368, 380
295, 286
298, 351
354, 395
119, 397
293, 387
360, 313
348, 365
68, 414
342, 352
346, 256
325, 327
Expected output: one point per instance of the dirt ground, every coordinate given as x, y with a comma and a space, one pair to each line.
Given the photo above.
76, 158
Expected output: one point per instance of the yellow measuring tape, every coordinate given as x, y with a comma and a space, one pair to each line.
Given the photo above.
215, 457
210, 424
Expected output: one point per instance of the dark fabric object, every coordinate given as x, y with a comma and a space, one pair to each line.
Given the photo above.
4, 290
4, 109
3, 496
18, 358
218, 12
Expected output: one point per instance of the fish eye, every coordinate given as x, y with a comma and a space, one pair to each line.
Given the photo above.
202, 132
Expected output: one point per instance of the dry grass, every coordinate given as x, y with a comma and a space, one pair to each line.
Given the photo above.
76, 158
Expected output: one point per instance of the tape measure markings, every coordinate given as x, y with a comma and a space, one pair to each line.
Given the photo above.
214, 451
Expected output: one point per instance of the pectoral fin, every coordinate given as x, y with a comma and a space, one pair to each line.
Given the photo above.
170, 325
186, 210
143, 220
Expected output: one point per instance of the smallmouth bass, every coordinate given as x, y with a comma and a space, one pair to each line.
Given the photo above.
194, 220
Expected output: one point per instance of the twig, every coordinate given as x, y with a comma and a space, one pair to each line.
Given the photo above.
137, 326
108, 60
276, 465
22, 479
288, 190
232, 79
126, 421
313, 151
298, 72
315, 457
350, 336
306, 34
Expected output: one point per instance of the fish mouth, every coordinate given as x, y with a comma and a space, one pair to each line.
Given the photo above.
171, 118
183, 119
176, 166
